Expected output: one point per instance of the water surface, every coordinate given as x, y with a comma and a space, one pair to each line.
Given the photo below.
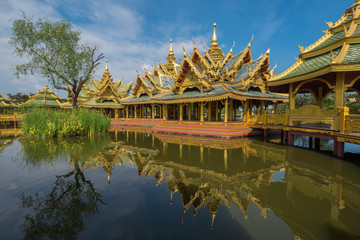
135, 185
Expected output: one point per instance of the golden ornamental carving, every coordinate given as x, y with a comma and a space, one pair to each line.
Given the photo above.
312, 111
276, 119
352, 124
313, 114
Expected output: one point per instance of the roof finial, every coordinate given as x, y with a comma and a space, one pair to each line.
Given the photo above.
214, 38
106, 67
183, 47
171, 48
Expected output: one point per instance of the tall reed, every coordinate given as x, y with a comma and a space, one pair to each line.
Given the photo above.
43, 122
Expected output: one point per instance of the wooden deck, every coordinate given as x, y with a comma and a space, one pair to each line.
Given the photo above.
194, 128
239, 129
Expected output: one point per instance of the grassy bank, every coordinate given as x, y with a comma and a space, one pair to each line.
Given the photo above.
42, 122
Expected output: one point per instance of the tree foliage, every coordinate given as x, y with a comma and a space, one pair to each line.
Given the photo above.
53, 50
19, 97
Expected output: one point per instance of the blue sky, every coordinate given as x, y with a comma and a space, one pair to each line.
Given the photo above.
134, 34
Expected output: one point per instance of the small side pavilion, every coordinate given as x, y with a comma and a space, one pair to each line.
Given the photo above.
6, 105
330, 65
44, 98
104, 95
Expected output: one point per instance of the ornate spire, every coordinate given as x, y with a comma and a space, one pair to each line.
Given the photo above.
170, 60
215, 51
214, 38
171, 48
106, 75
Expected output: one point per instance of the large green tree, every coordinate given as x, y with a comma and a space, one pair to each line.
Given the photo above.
52, 49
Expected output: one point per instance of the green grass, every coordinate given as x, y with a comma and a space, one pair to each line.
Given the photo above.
42, 122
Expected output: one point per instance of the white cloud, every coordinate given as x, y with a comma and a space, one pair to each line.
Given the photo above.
117, 29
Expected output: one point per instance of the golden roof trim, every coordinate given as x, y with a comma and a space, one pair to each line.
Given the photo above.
289, 70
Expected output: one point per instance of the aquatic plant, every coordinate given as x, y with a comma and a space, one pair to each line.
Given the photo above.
42, 122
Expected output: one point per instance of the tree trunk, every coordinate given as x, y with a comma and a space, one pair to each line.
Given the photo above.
74, 96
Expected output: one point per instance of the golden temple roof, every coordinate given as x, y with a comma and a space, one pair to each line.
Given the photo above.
338, 46
104, 93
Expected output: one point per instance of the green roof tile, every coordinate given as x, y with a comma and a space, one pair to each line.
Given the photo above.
155, 79
6, 103
92, 103
91, 86
353, 54
142, 98
124, 87
229, 63
334, 38
312, 64
167, 82
243, 72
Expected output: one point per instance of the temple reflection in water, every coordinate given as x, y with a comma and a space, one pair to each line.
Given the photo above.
305, 194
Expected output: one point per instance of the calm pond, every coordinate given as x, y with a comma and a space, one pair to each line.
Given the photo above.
135, 185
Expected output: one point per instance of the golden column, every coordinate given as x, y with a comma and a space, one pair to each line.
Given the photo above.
181, 112
198, 111
245, 111
164, 111
116, 112
201, 111
275, 107
250, 107
189, 111
135, 112
291, 102
291, 98
261, 107
339, 89
152, 111
226, 110
339, 96
127, 111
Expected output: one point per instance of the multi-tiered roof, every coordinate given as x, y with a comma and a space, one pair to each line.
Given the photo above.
6, 103
337, 51
44, 98
104, 93
207, 76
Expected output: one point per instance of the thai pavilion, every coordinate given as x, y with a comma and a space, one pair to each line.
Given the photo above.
104, 95
44, 98
210, 86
